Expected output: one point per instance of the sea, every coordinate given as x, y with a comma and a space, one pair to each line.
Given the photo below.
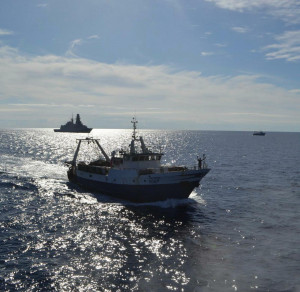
239, 231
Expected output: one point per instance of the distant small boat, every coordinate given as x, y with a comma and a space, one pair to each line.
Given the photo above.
72, 127
259, 133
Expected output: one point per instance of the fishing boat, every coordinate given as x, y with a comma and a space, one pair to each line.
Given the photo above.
135, 174
259, 133
72, 127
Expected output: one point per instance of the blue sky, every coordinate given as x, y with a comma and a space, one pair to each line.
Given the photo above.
198, 64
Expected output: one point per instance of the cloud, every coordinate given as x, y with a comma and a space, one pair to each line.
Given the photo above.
78, 42
75, 43
287, 47
221, 45
5, 32
240, 29
287, 10
295, 91
42, 5
205, 54
25, 105
178, 99
9, 109
94, 36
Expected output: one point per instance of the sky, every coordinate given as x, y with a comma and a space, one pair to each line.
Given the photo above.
174, 64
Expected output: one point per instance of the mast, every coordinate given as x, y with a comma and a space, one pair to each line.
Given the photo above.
132, 148
78, 121
135, 138
134, 122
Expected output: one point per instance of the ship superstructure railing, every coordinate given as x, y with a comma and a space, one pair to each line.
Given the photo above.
168, 169
104, 170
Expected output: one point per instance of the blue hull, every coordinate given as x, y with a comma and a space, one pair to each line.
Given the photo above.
139, 193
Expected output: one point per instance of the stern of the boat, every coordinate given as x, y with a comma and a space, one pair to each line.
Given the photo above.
72, 173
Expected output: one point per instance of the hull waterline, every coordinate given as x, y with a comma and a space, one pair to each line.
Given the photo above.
73, 131
140, 193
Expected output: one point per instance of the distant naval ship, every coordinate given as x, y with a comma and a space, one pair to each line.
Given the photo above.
72, 127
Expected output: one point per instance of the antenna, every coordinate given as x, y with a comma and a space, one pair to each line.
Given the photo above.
134, 122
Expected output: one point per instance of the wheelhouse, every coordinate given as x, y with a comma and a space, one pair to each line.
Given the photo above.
143, 157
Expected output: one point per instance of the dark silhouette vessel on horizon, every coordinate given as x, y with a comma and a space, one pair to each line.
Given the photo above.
259, 133
72, 127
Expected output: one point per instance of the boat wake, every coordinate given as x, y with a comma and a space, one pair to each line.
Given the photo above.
194, 199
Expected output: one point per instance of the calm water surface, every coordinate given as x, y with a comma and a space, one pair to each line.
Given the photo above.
240, 231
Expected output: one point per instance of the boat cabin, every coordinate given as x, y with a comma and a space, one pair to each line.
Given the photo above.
136, 160
137, 157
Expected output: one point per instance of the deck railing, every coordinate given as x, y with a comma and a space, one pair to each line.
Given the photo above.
163, 169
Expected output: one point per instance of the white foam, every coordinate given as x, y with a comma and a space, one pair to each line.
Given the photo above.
172, 203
